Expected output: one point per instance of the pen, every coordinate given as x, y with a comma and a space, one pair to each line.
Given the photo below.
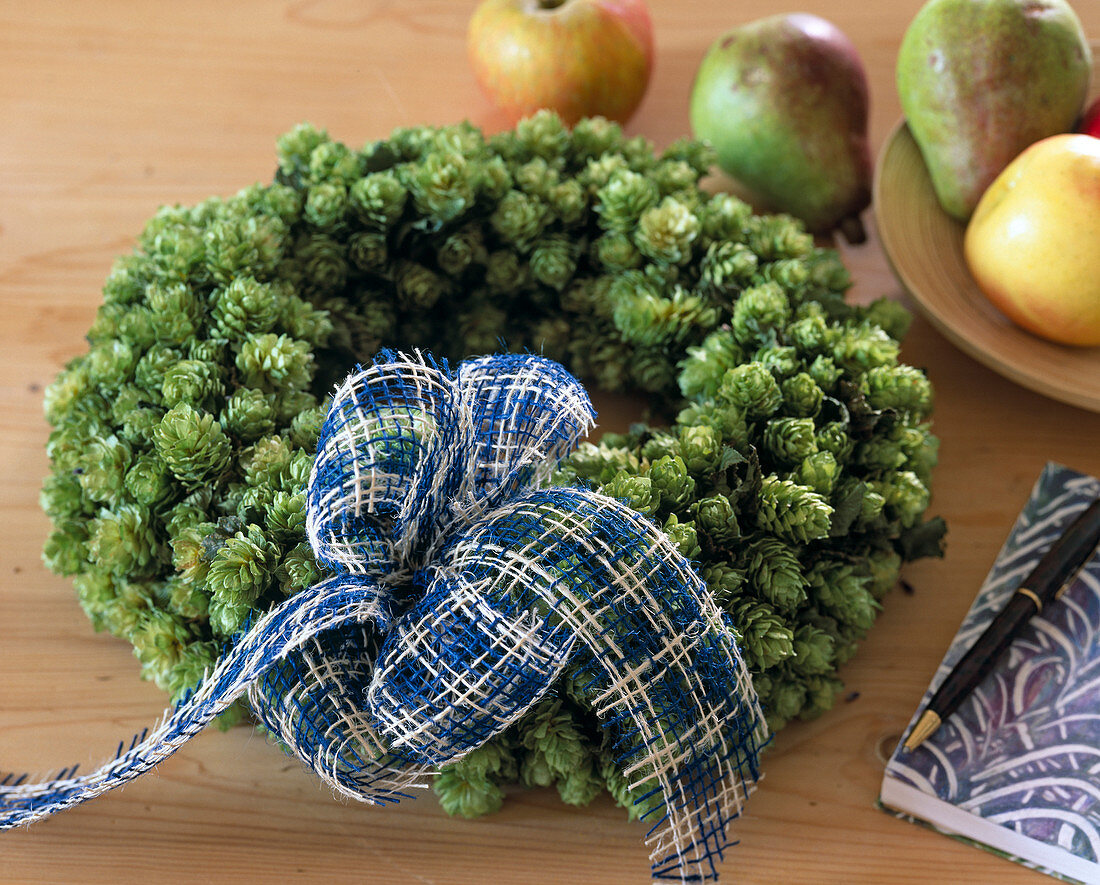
1046, 583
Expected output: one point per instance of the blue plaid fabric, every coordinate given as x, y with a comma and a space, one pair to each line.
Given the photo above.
462, 586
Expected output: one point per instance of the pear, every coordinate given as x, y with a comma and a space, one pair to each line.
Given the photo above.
980, 80
783, 100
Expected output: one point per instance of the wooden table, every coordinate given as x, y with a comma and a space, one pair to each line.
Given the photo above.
112, 108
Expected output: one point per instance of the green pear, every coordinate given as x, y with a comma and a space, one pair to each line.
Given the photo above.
783, 101
980, 80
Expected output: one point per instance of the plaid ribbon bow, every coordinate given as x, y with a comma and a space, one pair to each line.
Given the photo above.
461, 589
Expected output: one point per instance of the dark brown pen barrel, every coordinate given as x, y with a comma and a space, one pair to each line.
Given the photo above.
1066, 554
983, 655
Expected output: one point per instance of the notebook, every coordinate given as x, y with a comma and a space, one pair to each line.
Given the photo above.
1016, 769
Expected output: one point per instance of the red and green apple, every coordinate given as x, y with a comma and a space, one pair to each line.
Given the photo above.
580, 58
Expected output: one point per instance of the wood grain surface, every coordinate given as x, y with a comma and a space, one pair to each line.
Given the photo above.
110, 109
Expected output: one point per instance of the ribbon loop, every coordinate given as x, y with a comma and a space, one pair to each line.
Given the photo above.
527, 413
457, 670
385, 466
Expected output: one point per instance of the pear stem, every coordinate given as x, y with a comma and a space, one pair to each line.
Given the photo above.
852, 229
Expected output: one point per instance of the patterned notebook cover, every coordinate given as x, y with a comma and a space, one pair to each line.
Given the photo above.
1017, 768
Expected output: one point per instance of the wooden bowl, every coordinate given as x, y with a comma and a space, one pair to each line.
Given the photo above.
924, 246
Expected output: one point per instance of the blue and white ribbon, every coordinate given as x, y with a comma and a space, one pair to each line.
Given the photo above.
462, 588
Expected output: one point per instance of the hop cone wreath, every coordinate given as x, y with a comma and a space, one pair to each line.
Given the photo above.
788, 457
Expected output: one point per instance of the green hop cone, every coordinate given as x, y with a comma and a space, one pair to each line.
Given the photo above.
814, 650
724, 419
581, 785
903, 388
889, 315
462, 249
554, 260
467, 795
905, 496
790, 440
192, 444
819, 471
623, 199
785, 701
249, 414
601, 463
271, 362
471, 787
727, 267
825, 372
802, 396
194, 382
519, 219
326, 204
884, 563
702, 371
726, 218
724, 581
298, 569
175, 312
418, 287
149, 481
102, 470
667, 232
160, 640
773, 570
441, 186
792, 511
821, 695
670, 479
700, 449
774, 237
833, 437
752, 388
779, 359
685, 535
569, 202
240, 571
865, 347
766, 640
244, 307
378, 200
616, 251
844, 593
111, 364
660, 444
636, 491
759, 313
66, 551
553, 748
716, 518
122, 541
810, 334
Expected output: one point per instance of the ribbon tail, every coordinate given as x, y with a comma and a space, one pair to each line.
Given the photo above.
330, 604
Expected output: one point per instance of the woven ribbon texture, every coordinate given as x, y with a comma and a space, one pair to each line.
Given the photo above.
462, 586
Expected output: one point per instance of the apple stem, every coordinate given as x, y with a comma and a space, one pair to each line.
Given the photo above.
550, 4
852, 229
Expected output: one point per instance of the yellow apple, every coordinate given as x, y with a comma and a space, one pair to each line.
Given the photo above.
1033, 242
